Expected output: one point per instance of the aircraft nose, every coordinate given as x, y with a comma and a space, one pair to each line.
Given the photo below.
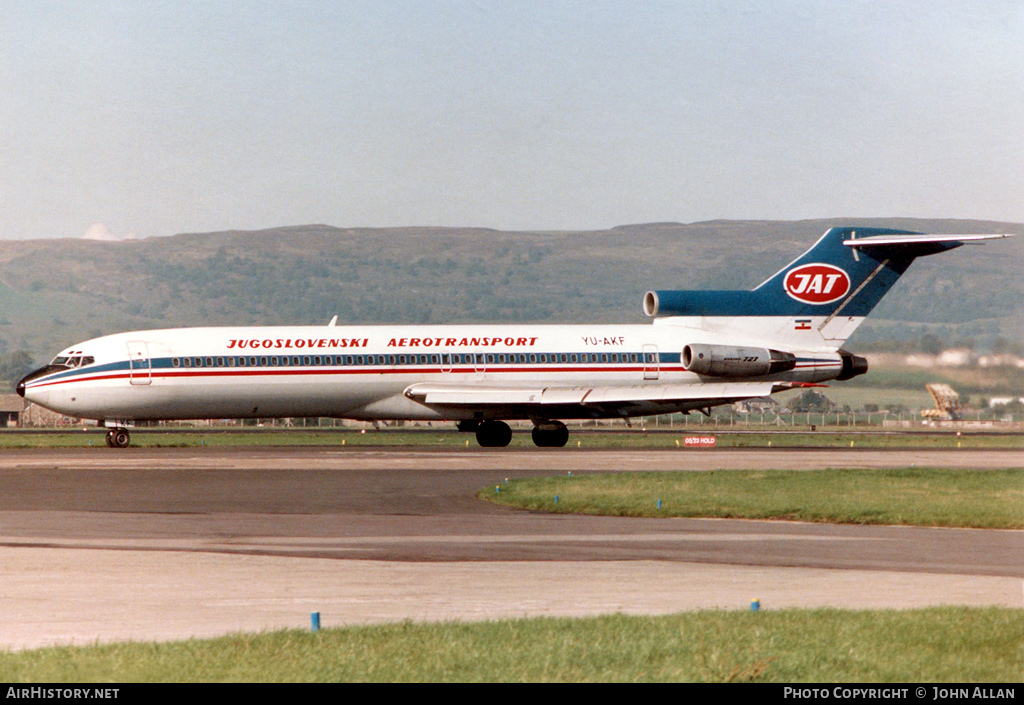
20, 388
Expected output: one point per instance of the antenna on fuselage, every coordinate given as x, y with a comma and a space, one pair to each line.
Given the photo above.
333, 321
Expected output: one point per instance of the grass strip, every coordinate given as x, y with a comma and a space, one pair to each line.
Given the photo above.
949, 644
583, 439
991, 499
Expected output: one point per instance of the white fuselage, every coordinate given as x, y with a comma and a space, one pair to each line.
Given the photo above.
365, 372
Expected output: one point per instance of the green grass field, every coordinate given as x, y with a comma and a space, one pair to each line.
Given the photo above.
824, 645
912, 496
660, 437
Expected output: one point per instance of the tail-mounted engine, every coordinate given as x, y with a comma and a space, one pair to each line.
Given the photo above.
728, 361
853, 365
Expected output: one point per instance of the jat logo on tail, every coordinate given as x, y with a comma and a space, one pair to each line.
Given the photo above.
817, 283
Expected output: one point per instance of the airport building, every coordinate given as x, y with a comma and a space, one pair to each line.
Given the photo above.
11, 409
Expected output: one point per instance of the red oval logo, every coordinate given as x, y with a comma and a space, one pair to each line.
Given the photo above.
817, 283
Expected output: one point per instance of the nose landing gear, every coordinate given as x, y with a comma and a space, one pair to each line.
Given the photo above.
118, 438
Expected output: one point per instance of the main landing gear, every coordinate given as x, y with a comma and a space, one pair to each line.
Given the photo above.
118, 438
493, 434
551, 434
497, 434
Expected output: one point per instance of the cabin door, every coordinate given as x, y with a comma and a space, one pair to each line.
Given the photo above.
140, 371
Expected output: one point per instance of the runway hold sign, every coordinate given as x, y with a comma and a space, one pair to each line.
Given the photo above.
699, 441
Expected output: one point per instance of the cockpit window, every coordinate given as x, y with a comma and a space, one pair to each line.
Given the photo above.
73, 360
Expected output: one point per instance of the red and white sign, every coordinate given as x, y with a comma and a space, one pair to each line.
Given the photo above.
817, 283
699, 441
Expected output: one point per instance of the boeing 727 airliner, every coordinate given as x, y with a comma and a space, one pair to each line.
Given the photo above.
703, 349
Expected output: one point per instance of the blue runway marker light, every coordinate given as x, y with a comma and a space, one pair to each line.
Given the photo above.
314, 619
755, 605
556, 499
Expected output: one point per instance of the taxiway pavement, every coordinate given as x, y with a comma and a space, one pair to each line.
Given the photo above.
102, 545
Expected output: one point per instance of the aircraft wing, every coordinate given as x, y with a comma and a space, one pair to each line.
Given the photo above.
690, 395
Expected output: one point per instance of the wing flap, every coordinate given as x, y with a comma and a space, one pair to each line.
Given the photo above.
479, 396
467, 395
679, 392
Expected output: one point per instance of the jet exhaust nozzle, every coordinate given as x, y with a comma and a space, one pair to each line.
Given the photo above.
853, 365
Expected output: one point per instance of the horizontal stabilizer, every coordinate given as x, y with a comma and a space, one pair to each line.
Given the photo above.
918, 245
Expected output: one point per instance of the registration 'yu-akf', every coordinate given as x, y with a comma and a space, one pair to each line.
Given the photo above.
705, 348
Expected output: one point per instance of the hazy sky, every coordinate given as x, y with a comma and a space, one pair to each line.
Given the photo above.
155, 118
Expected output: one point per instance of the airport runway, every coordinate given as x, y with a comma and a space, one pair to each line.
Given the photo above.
97, 544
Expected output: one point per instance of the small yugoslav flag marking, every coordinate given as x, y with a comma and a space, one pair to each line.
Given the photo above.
817, 283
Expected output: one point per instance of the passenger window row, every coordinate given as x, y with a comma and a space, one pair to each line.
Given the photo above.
447, 359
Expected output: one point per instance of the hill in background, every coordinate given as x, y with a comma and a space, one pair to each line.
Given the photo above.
57, 292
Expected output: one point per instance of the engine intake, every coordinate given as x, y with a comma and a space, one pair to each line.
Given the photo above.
728, 361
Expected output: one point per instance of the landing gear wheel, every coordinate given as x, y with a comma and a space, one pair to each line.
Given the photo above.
118, 438
553, 435
493, 434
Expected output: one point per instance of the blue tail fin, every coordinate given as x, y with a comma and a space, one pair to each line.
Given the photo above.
846, 272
